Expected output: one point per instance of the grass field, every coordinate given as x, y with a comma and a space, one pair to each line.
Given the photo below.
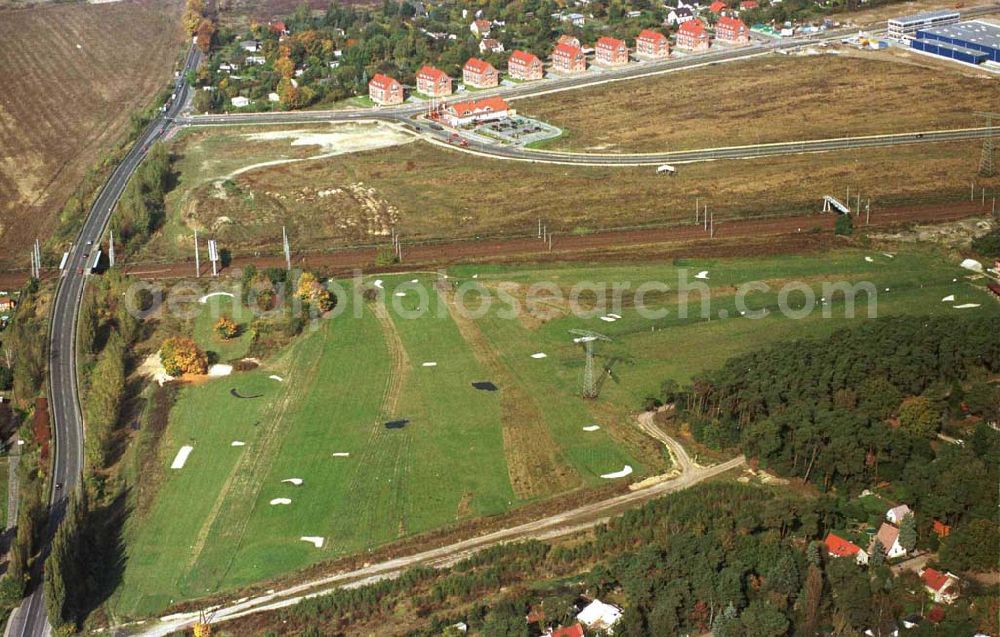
464, 453
429, 192
769, 99
75, 73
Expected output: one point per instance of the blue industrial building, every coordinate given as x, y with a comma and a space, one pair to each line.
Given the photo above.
973, 42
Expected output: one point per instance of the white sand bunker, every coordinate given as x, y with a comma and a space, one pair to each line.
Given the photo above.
591, 428
400, 294
378, 284
869, 260
153, 369
703, 275
584, 339
626, 470
277, 378
972, 264
181, 457
614, 316
948, 299
539, 355
237, 443
220, 370
965, 306
429, 364
205, 298
414, 280
888, 256
296, 481
280, 501
341, 454
608, 319
315, 540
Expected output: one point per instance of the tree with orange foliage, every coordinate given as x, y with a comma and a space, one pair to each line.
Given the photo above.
181, 355
226, 328
194, 11
206, 29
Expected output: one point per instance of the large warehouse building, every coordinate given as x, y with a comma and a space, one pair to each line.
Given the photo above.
972, 42
903, 28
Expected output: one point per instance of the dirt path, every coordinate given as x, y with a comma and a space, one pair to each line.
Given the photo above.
533, 457
562, 524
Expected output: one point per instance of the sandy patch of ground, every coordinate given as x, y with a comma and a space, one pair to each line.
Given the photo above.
152, 368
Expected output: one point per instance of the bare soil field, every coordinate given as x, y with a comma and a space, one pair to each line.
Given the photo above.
883, 12
770, 99
430, 193
72, 76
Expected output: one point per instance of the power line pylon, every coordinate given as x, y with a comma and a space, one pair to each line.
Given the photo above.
587, 338
987, 167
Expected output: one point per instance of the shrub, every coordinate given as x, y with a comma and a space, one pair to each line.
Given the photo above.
182, 355
226, 328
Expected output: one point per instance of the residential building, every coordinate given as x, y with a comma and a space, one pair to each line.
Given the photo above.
599, 616
610, 52
902, 28
479, 74
490, 45
524, 66
576, 19
679, 16
571, 40
239, 101
888, 537
652, 45
7, 304
747, 5
692, 36
475, 111
278, 27
732, 31
433, 82
273, 97
255, 59
385, 90
250, 46
994, 288
940, 528
943, 587
567, 58
480, 27
576, 630
896, 514
717, 7
837, 546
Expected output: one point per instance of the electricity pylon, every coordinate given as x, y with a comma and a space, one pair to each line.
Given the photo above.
987, 168
587, 338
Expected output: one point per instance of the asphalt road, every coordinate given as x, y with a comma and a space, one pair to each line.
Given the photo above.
67, 460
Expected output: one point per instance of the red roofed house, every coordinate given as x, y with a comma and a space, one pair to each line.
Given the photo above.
839, 547
692, 36
480, 74
611, 52
994, 288
277, 27
942, 586
489, 45
473, 111
433, 82
746, 5
7, 304
567, 58
524, 66
940, 528
717, 7
652, 45
732, 31
480, 27
576, 630
384, 90
571, 40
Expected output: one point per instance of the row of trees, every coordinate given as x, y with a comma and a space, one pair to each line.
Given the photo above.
141, 209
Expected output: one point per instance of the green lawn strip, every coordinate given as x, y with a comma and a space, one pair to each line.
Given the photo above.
224, 350
160, 546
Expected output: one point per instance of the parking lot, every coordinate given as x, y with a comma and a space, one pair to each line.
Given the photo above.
519, 130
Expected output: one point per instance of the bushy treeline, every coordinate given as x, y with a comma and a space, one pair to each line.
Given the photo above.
141, 209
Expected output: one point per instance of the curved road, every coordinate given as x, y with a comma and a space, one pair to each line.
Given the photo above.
67, 460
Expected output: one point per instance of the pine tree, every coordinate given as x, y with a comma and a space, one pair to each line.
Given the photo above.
908, 532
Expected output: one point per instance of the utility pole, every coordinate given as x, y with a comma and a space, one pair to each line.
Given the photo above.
539, 227
696, 209
868, 211
983, 202
705, 219
197, 257
972, 191
711, 225
550, 242
111, 248
213, 256
987, 168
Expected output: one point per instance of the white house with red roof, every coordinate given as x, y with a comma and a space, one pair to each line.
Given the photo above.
717, 7
433, 82
692, 36
384, 90
732, 31
474, 111
567, 58
525, 66
610, 52
943, 587
837, 546
480, 74
572, 40
481, 27
652, 45
490, 45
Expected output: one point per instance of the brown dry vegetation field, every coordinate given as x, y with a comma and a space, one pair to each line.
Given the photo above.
72, 76
431, 192
770, 99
